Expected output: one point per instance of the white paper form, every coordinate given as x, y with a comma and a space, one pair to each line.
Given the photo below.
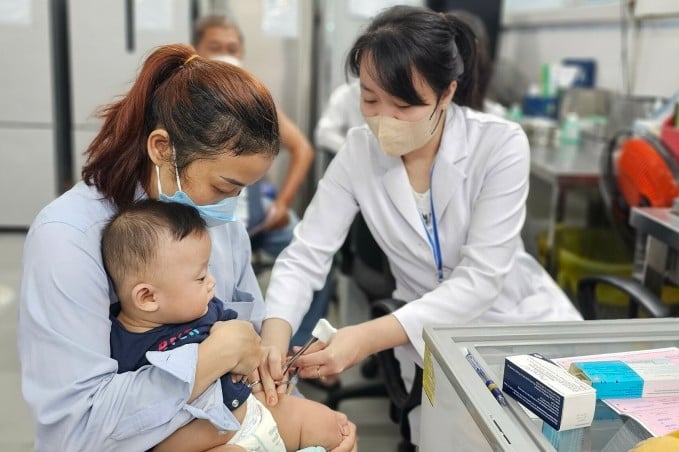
658, 415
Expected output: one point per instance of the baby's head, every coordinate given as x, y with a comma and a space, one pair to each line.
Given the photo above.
157, 254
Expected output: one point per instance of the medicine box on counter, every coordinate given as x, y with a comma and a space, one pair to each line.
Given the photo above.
548, 390
631, 379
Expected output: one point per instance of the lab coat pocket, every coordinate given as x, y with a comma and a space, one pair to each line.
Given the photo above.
242, 302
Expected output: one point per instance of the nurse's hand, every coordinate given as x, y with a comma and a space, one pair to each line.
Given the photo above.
345, 350
271, 371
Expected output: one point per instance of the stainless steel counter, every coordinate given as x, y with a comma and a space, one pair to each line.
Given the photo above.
564, 168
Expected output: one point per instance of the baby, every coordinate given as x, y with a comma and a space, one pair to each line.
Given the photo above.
157, 255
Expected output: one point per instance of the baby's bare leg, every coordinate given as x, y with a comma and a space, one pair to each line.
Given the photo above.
304, 423
228, 448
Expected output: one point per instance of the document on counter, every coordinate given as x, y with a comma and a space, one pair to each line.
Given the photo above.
658, 415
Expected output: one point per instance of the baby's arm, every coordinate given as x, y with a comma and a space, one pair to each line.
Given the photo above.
305, 423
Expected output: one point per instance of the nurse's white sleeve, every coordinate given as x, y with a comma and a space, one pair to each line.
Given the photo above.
489, 250
304, 265
78, 400
335, 122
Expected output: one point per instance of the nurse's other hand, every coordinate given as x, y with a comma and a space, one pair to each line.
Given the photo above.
344, 351
349, 441
242, 342
270, 371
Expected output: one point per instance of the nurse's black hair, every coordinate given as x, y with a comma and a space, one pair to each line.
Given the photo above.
440, 47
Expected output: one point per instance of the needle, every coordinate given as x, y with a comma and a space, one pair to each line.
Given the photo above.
324, 332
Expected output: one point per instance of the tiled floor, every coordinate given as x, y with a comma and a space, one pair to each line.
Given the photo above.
376, 432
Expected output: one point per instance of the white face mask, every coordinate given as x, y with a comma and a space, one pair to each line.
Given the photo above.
228, 59
398, 137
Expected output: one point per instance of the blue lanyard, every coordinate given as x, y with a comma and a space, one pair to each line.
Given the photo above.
434, 241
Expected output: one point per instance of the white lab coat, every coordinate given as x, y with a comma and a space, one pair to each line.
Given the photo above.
341, 114
479, 188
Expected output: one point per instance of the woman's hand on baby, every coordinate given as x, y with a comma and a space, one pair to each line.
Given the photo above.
239, 338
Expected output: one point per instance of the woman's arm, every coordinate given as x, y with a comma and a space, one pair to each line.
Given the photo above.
301, 156
199, 435
351, 345
304, 265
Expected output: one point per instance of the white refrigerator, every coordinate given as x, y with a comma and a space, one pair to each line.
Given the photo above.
109, 41
61, 60
28, 174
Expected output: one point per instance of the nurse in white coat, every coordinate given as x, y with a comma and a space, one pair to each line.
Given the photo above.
341, 114
442, 189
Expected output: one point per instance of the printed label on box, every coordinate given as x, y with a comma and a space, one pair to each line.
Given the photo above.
554, 395
631, 379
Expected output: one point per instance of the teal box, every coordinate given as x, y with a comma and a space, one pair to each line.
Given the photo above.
611, 379
566, 441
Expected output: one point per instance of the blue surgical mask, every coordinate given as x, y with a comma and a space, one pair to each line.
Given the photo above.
213, 214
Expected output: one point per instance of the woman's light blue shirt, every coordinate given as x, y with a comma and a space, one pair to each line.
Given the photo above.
68, 378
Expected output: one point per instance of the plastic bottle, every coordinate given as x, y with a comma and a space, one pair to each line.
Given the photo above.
570, 130
515, 114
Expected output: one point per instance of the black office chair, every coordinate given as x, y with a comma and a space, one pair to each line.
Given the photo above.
639, 297
370, 270
402, 400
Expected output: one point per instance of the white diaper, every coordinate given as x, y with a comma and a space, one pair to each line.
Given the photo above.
258, 432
